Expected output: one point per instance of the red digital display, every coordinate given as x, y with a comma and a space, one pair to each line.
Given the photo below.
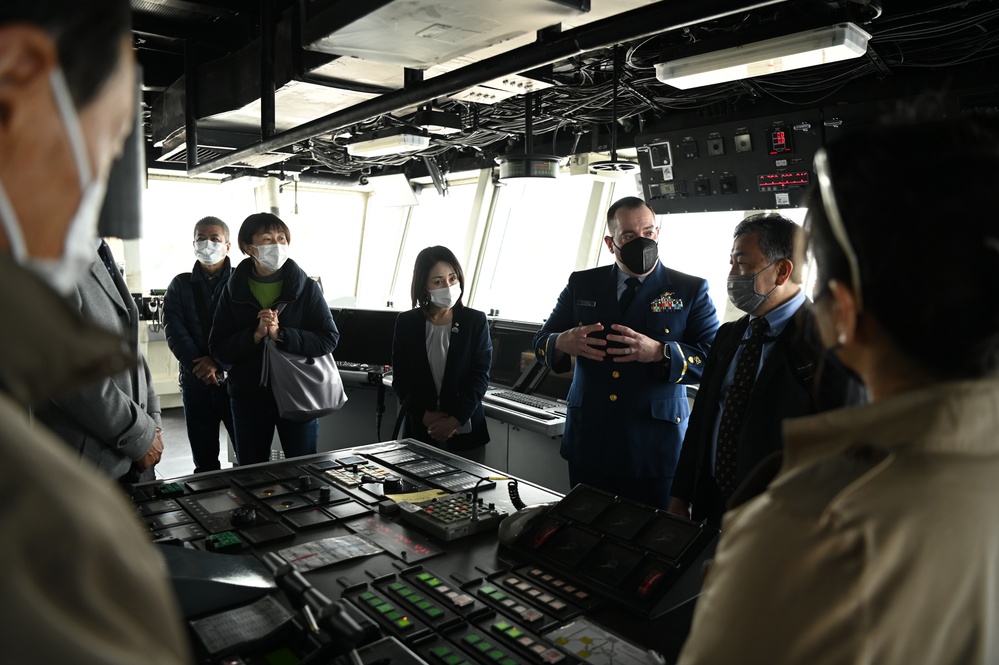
779, 182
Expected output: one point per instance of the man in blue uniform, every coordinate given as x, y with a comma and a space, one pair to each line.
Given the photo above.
639, 331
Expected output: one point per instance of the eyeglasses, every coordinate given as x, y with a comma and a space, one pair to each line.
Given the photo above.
836, 222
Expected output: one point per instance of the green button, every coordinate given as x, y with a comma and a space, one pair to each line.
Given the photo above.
415, 598
454, 659
487, 590
375, 602
424, 604
508, 661
514, 633
484, 646
434, 582
499, 595
395, 586
392, 616
434, 612
472, 639
496, 654
404, 623
424, 576
367, 595
384, 608
502, 626
405, 591
440, 651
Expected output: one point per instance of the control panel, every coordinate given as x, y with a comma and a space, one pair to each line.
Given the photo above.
395, 548
765, 163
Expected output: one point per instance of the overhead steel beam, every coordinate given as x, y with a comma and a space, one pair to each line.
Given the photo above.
639, 23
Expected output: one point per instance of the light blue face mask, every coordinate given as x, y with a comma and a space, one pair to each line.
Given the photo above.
78, 250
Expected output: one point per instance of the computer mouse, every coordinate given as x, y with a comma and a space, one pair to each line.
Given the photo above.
514, 524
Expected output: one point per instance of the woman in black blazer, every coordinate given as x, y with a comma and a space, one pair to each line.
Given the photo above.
441, 353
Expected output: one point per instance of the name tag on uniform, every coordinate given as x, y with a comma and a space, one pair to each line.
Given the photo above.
586, 303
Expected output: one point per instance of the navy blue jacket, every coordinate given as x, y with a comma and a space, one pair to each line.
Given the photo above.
185, 335
628, 419
306, 321
466, 374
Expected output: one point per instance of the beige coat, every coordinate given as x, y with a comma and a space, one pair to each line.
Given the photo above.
82, 583
877, 544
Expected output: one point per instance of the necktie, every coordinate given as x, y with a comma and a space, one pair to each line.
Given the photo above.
735, 407
631, 286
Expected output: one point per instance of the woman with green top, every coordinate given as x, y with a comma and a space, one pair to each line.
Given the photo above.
268, 295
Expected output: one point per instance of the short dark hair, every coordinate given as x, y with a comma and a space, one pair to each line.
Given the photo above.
214, 221
776, 234
257, 222
895, 210
628, 203
87, 34
427, 259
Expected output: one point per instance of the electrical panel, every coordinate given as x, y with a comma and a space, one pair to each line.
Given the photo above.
758, 164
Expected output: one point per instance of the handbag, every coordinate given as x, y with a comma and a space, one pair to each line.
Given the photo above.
304, 388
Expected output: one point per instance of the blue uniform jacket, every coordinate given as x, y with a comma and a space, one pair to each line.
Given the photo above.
629, 419
184, 334
466, 374
306, 321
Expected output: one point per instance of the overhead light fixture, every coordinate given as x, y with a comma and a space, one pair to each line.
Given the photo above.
395, 141
437, 122
780, 54
528, 166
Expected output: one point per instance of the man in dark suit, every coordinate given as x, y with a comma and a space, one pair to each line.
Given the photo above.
764, 282
639, 331
114, 423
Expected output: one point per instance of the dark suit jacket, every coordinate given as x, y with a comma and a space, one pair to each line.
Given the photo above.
113, 421
628, 419
786, 387
466, 374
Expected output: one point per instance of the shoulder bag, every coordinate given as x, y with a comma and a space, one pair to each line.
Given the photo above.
304, 388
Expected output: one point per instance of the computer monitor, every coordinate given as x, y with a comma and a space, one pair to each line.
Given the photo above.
365, 335
513, 350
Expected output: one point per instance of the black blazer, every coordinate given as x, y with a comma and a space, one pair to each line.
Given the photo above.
788, 386
466, 375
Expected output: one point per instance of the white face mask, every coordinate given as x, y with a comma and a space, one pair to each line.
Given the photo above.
77, 251
271, 257
209, 252
446, 297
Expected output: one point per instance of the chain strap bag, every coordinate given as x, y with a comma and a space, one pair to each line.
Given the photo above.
304, 388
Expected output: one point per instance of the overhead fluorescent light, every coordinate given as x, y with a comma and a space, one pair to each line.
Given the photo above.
393, 142
780, 54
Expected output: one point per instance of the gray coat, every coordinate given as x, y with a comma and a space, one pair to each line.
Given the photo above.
112, 422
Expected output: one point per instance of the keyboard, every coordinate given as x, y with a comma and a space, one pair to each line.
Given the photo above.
529, 400
533, 406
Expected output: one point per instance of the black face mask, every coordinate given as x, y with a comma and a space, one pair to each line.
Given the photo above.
640, 255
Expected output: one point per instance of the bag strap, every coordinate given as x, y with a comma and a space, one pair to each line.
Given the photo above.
265, 362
